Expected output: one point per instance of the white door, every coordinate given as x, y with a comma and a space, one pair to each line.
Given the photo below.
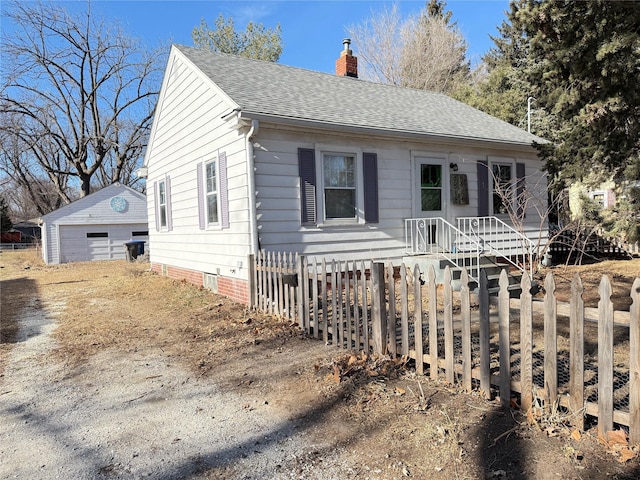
431, 197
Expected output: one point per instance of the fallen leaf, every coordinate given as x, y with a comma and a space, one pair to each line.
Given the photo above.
617, 438
400, 391
352, 359
576, 435
336, 374
626, 455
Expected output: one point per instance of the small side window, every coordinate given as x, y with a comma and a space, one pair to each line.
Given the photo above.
97, 235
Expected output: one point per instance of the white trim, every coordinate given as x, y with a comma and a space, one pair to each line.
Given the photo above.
356, 152
440, 158
212, 225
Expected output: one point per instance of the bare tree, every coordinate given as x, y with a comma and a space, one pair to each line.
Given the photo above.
425, 51
82, 94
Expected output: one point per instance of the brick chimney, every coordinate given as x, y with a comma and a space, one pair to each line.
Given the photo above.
347, 64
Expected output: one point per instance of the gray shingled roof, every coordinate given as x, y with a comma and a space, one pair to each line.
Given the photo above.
280, 91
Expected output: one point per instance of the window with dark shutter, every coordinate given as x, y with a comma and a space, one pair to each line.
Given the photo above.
307, 173
483, 188
370, 177
520, 190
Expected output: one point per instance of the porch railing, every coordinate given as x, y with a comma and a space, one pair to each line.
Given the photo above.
500, 239
436, 235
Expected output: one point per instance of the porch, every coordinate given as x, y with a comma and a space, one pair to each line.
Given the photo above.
476, 244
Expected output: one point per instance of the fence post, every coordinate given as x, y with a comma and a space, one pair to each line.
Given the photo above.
391, 323
379, 312
605, 359
504, 344
253, 291
634, 364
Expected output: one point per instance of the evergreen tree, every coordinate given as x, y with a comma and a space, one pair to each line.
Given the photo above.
255, 42
5, 221
583, 62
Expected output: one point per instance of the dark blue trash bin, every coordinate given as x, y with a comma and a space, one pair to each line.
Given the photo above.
134, 249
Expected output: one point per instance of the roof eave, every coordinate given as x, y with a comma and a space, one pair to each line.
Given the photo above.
403, 134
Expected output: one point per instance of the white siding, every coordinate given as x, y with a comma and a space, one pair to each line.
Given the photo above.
189, 130
278, 199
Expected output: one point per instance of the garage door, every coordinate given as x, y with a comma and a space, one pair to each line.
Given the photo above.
79, 243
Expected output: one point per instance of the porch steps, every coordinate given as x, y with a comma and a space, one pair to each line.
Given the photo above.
493, 270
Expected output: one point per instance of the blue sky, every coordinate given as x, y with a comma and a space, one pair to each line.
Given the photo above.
312, 30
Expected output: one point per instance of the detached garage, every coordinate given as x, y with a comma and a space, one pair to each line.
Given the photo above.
95, 227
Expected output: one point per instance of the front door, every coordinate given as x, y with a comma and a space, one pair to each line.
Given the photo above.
431, 194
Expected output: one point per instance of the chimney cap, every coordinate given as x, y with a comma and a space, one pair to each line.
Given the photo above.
346, 42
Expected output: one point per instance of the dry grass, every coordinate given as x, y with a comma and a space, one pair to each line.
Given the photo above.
393, 419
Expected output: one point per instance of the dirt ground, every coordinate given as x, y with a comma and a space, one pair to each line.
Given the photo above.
110, 371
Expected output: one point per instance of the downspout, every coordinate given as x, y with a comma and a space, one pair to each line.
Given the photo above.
251, 176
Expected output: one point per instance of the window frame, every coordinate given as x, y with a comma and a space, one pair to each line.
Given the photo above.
512, 186
359, 207
162, 204
205, 179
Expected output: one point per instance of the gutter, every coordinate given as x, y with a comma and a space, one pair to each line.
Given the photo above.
251, 177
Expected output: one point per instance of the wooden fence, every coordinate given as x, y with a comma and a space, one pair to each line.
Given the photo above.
585, 361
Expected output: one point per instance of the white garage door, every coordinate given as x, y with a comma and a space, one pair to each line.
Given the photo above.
80, 243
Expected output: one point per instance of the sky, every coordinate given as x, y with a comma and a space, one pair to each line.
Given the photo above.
312, 30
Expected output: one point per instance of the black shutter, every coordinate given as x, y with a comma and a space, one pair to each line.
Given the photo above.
370, 176
307, 172
483, 188
520, 187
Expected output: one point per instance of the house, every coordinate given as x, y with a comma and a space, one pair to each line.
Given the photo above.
247, 155
95, 227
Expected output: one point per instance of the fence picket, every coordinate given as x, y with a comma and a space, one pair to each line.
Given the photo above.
417, 320
365, 303
391, 322
315, 300
448, 327
325, 306
378, 310
550, 343
504, 342
465, 310
339, 302
346, 320
347, 302
634, 364
605, 359
404, 298
356, 307
334, 305
576, 353
433, 321
485, 352
526, 345
281, 287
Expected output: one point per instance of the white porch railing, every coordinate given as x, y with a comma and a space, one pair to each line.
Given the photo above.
500, 239
437, 236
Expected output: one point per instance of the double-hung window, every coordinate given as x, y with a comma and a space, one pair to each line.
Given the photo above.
212, 192
339, 182
502, 188
162, 203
